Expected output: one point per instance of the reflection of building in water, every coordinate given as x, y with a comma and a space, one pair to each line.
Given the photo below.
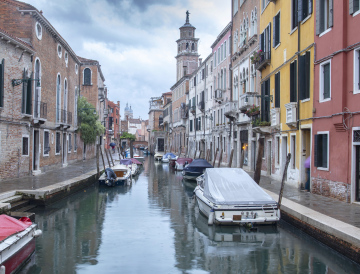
74, 226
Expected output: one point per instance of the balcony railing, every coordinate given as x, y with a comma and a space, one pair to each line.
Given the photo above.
64, 117
291, 114
246, 101
219, 94
40, 110
231, 109
193, 109
265, 60
201, 105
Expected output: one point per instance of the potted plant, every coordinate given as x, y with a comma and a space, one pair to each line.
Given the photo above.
256, 57
254, 110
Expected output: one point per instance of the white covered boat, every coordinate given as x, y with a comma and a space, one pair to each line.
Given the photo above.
117, 175
229, 196
158, 156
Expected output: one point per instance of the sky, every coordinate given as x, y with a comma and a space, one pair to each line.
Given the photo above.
134, 40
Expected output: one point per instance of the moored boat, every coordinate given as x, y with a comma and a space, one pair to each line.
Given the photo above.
195, 169
229, 196
129, 164
139, 158
17, 242
117, 175
158, 156
180, 163
168, 156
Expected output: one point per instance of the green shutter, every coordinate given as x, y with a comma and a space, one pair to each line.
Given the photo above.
24, 94
300, 15
277, 90
274, 32
29, 95
318, 19
326, 81
267, 102
2, 68
310, 6
293, 82
324, 150
307, 74
316, 148
263, 101
301, 77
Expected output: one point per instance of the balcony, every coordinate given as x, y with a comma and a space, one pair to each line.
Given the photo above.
265, 59
110, 132
246, 101
40, 112
219, 95
231, 109
275, 117
201, 105
63, 118
291, 114
185, 112
193, 110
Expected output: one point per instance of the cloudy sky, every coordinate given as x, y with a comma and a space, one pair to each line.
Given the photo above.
134, 40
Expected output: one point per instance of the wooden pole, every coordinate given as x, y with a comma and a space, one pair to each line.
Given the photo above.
119, 152
102, 157
200, 153
215, 157
242, 158
131, 149
283, 178
220, 159
231, 158
111, 158
97, 159
195, 154
207, 155
179, 151
257, 173
107, 156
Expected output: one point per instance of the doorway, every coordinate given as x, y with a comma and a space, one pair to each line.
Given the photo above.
36, 152
357, 173
160, 145
305, 153
284, 152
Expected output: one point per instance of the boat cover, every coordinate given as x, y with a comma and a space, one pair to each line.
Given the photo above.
169, 155
198, 165
10, 226
126, 162
233, 186
182, 161
134, 161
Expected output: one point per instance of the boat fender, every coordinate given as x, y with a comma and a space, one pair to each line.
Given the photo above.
211, 217
2, 269
37, 233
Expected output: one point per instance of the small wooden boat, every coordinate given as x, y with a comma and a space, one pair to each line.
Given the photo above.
195, 169
229, 196
17, 242
117, 175
167, 156
139, 158
132, 166
158, 156
180, 163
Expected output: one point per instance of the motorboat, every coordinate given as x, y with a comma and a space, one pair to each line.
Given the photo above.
158, 156
132, 166
139, 158
135, 161
17, 242
117, 175
180, 163
195, 169
167, 156
229, 196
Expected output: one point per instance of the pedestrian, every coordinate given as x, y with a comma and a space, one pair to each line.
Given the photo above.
307, 167
112, 145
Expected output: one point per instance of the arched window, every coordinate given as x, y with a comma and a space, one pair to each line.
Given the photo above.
193, 46
65, 94
58, 105
37, 73
187, 45
87, 77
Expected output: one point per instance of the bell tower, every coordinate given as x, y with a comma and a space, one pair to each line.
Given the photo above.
187, 50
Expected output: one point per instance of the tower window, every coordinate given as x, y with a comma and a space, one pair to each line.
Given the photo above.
193, 46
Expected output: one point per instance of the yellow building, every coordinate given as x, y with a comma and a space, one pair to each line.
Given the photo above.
285, 60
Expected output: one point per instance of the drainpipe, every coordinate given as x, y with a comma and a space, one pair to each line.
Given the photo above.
298, 82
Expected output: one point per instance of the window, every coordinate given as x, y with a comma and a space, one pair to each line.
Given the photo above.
70, 143
357, 71
304, 8
277, 149
265, 43
294, 14
321, 150
225, 50
293, 81
76, 68
75, 142
25, 145
46, 142
325, 81
26, 95
38, 30
2, 68
58, 143
66, 58
87, 77
191, 125
59, 50
324, 15
263, 4
276, 31
354, 6
235, 6
304, 76
265, 104
277, 90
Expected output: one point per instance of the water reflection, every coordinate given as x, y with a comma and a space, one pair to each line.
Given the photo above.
154, 226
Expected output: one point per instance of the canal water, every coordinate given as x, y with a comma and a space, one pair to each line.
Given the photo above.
154, 226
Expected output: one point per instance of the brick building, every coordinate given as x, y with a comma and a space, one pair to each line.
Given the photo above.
113, 123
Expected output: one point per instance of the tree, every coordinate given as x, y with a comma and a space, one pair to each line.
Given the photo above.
130, 137
90, 126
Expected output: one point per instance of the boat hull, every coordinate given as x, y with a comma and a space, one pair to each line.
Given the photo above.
16, 249
237, 214
191, 175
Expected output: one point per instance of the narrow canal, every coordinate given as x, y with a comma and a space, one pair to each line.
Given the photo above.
153, 226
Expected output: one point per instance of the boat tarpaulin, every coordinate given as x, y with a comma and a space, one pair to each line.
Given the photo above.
233, 186
169, 155
10, 226
134, 161
126, 162
182, 161
198, 165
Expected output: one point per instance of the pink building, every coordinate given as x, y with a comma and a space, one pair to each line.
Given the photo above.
335, 169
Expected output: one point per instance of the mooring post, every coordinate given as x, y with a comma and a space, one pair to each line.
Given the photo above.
195, 154
107, 156
231, 158
111, 158
257, 174
242, 159
200, 153
215, 157
97, 159
220, 159
102, 157
283, 178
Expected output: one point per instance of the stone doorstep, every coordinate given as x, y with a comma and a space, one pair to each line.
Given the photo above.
6, 198
334, 227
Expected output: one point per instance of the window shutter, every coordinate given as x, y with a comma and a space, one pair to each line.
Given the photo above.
262, 101
326, 71
267, 102
318, 17
261, 38
300, 11
324, 150
277, 90
316, 152
274, 32
358, 68
307, 75
24, 93
331, 13
2, 68
269, 41
310, 6
293, 82
356, 5
29, 95
302, 77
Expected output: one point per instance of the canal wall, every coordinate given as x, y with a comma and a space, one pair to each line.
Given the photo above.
340, 236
